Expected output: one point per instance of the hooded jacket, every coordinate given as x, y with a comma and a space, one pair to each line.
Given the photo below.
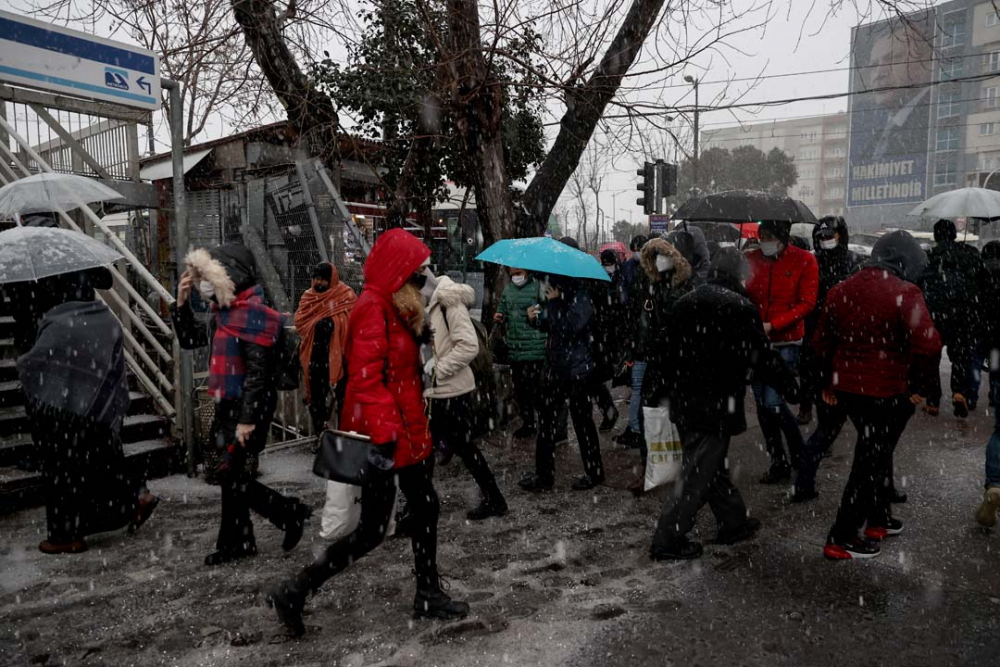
875, 336
989, 297
524, 343
784, 289
714, 339
384, 395
455, 341
951, 283
834, 265
691, 243
653, 293
231, 269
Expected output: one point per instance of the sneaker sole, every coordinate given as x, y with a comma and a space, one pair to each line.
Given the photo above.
986, 515
832, 552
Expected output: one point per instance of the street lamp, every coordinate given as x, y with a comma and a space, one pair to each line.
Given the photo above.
629, 211
694, 82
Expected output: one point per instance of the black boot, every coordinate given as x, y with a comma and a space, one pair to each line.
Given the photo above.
288, 599
432, 602
228, 555
296, 524
609, 421
488, 506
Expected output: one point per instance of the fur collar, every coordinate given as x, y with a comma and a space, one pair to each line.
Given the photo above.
647, 258
205, 267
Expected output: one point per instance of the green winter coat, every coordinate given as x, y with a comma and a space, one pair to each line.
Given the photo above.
524, 342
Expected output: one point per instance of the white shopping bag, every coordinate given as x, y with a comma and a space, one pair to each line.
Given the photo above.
342, 511
663, 448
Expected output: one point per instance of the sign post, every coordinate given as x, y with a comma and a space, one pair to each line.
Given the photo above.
659, 224
48, 57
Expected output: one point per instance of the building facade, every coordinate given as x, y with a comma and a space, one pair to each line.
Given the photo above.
817, 144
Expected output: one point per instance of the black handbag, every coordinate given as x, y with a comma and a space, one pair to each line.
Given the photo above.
349, 457
289, 366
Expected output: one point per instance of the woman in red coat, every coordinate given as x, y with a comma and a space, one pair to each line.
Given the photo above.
384, 400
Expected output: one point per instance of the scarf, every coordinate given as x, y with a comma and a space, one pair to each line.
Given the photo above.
336, 303
246, 319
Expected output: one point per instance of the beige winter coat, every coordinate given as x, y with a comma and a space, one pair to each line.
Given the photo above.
455, 340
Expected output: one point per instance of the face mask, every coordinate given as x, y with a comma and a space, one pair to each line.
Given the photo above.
207, 289
828, 244
419, 279
610, 270
319, 289
519, 280
769, 248
664, 263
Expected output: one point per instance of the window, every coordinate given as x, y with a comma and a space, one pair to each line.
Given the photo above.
833, 172
953, 33
833, 193
990, 97
951, 69
992, 20
991, 61
807, 173
947, 139
836, 152
988, 128
945, 174
808, 153
949, 104
808, 135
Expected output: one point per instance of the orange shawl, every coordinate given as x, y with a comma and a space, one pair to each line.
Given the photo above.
335, 303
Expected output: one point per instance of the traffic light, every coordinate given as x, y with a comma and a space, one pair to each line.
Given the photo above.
668, 179
647, 186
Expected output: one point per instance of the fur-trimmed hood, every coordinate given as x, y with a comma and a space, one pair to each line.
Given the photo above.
449, 294
682, 269
230, 268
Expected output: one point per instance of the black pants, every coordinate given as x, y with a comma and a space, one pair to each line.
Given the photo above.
579, 393
451, 426
961, 353
880, 423
830, 422
88, 487
322, 399
602, 396
704, 479
378, 497
527, 377
240, 491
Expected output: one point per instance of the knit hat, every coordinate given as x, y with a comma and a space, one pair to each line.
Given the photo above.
778, 229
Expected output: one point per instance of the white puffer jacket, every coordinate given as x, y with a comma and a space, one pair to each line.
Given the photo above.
455, 340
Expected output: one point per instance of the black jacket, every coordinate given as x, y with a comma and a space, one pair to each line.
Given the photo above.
989, 307
951, 288
569, 324
715, 341
609, 314
261, 364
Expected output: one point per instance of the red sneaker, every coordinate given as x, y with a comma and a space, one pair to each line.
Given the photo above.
856, 547
892, 527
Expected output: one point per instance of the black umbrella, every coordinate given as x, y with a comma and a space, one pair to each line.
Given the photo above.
739, 206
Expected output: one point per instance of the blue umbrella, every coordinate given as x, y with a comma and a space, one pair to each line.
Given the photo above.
544, 255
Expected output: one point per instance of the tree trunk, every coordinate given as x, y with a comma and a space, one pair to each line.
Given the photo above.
476, 96
310, 112
584, 108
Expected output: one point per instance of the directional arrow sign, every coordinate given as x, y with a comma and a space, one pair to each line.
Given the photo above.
145, 84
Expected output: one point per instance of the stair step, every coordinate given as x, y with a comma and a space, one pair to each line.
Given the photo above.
13, 420
8, 370
148, 459
10, 394
7, 326
145, 427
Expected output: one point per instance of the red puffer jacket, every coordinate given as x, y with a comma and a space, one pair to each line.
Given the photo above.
875, 337
384, 397
784, 289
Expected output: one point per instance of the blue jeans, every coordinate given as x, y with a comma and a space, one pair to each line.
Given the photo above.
635, 402
993, 446
776, 419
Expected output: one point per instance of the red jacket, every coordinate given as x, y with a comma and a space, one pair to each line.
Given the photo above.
784, 288
384, 397
875, 337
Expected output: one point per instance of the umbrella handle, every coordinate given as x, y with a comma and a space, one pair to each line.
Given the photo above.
17, 220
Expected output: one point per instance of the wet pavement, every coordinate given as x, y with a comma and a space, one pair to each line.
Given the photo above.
564, 579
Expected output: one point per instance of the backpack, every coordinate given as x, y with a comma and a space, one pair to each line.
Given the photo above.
485, 414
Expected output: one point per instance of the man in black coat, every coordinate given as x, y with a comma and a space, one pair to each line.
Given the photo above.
951, 288
714, 341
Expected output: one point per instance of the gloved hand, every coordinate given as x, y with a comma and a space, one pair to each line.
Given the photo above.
429, 367
381, 456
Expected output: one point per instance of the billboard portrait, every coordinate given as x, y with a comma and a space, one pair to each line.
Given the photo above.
889, 120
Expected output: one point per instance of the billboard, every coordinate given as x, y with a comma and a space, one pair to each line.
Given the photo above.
56, 59
890, 111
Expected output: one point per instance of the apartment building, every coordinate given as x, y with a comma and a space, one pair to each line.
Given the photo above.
818, 144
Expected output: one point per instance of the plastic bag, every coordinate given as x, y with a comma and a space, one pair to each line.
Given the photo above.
664, 456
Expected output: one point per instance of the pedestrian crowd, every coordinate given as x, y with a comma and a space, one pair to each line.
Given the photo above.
405, 365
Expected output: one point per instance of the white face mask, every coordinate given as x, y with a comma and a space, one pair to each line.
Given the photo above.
664, 263
610, 270
828, 244
207, 289
769, 248
519, 280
